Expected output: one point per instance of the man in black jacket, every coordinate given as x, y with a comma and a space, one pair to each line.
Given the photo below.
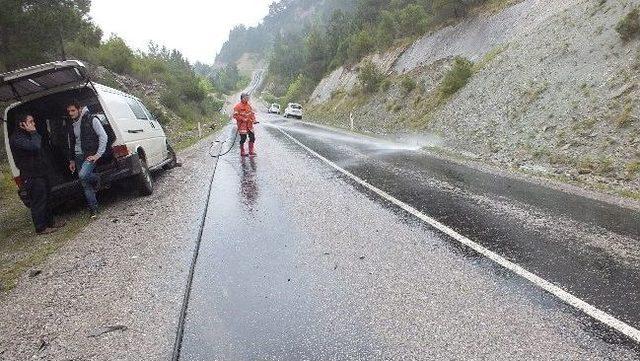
88, 144
26, 147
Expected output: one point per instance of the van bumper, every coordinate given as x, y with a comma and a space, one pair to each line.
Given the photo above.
122, 168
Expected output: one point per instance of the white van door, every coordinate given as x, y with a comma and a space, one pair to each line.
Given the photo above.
159, 137
154, 151
135, 133
23, 84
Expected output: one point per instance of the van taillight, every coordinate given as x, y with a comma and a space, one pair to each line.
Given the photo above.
120, 151
18, 181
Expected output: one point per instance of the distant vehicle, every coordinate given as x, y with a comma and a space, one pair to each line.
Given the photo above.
275, 109
137, 144
293, 110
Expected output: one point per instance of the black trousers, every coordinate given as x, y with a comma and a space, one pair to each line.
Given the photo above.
243, 138
38, 190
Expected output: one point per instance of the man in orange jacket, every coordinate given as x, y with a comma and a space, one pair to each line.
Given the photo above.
245, 117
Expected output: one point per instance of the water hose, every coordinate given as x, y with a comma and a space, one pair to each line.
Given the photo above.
213, 145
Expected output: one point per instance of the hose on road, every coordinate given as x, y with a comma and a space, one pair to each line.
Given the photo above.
213, 154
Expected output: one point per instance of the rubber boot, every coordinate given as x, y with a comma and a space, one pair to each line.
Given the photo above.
252, 149
242, 151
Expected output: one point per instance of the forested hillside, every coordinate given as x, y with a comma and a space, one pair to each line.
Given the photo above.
304, 40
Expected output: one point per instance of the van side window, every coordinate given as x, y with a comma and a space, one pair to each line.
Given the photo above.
137, 109
149, 115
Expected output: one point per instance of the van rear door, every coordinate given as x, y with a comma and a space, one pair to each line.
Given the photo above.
24, 84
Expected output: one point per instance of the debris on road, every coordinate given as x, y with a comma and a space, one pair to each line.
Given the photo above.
107, 329
34, 273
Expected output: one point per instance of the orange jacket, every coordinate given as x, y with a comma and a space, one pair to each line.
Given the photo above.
244, 116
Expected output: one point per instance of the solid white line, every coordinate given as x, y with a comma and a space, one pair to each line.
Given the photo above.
563, 295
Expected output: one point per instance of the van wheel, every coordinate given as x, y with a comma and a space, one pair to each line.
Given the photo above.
174, 159
144, 180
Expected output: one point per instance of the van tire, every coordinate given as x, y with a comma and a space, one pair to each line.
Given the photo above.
144, 180
174, 158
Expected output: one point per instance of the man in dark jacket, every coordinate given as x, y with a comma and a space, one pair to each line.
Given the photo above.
26, 147
88, 144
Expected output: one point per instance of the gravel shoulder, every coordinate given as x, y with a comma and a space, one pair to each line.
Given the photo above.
114, 291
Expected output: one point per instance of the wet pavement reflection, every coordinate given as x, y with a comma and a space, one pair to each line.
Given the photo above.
539, 228
299, 263
249, 189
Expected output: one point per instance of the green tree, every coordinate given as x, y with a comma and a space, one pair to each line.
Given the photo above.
317, 55
386, 30
30, 29
116, 55
299, 90
445, 9
360, 44
370, 77
413, 20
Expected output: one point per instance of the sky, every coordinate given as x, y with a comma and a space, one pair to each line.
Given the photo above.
197, 28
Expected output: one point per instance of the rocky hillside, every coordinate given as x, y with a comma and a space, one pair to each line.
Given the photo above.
544, 86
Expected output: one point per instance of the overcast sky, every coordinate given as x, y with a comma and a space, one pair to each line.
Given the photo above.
197, 28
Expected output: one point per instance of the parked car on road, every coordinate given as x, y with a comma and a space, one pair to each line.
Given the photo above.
293, 110
137, 143
274, 109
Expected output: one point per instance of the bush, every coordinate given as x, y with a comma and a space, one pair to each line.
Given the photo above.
413, 20
629, 26
386, 84
626, 117
457, 77
170, 100
155, 110
385, 31
446, 9
116, 55
633, 168
408, 84
299, 90
271, 99
370, 77
360, 44
215, 104
77, 50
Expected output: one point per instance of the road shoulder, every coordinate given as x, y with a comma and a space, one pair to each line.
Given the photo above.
114, 291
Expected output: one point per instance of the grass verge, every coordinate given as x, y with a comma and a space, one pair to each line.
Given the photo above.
187, 134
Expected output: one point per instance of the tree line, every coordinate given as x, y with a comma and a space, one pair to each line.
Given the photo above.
37, 31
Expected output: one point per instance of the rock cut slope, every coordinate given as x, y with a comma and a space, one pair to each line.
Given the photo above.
553, 91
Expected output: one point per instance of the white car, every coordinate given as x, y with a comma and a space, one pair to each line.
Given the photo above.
137, 143
274, 109
293, 110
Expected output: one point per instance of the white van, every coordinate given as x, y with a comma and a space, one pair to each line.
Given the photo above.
137, 142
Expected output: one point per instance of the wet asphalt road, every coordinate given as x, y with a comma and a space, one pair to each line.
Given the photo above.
299, 263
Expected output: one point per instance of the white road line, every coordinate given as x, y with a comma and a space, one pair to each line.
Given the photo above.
563, 295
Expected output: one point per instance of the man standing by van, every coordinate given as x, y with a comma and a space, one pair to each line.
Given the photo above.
88, 144
26, 147
245, 117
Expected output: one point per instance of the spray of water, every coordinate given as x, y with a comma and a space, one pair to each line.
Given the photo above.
388, 144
